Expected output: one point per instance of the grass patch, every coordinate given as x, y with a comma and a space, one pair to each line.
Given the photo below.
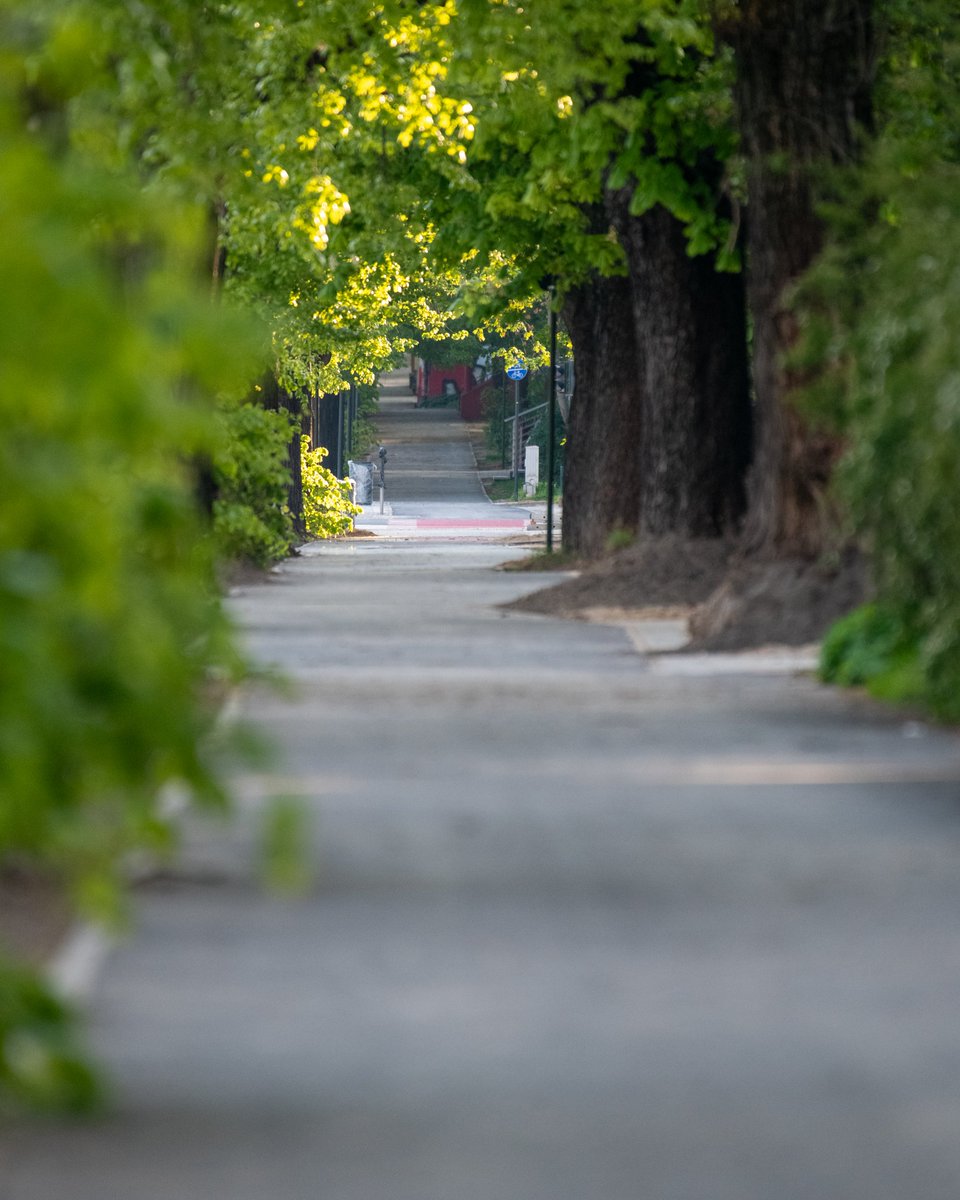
502, 489
545, 560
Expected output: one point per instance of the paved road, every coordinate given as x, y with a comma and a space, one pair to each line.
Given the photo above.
582, 929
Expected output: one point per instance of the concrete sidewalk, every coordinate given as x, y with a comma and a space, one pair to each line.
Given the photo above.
433, 488
582, 927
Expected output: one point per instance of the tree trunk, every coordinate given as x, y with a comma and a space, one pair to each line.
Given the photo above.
328, 412
802, 98
277, 399
690, 328
602, 466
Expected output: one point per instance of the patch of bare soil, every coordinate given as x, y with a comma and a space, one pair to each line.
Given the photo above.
733, 604
241, 574
34, 915
656, 573
787, 603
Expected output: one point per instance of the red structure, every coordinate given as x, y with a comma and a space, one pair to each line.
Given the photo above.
436, 382
472, 401
465, 384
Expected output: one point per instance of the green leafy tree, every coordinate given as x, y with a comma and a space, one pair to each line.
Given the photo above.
597, 164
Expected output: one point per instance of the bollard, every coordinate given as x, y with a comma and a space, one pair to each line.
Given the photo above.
382, 455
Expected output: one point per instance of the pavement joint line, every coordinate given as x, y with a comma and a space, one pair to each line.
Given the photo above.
702, 772
745, 663
746, 772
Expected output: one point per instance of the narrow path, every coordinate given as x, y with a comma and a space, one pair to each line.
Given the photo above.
433, 488
580, 928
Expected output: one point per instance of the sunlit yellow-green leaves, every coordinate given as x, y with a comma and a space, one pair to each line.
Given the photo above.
327, 505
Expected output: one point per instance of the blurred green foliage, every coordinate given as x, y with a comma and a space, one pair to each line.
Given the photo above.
882, 314
287, 836
40, 1064
251, 518
112, 637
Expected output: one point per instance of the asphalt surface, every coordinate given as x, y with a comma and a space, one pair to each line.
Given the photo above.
582, 925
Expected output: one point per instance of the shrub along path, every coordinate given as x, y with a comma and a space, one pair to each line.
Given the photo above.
581, 925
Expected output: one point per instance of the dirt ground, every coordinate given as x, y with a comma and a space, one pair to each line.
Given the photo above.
733, 604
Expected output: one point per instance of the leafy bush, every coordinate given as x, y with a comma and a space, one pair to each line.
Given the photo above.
881, 315
898, 373
251, 519
871, 648
327, 504
40, 1065
111, 632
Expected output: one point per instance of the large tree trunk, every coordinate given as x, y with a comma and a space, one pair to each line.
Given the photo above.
804, 73
602, 467
690, 326
660, 425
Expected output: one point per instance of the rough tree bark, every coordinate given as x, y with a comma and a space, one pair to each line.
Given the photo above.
602, 470
659, 435
690, 334
804, 71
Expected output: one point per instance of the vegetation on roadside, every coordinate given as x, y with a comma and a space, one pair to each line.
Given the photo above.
328, 509
41, 1064
881, 312
113, 638
252, 521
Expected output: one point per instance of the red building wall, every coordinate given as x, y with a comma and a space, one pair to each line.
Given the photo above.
431, 380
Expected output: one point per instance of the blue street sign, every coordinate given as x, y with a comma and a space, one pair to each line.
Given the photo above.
517, 371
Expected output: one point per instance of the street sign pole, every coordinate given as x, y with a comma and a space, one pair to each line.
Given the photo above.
516, 439
551, 421
503, 421
516, 372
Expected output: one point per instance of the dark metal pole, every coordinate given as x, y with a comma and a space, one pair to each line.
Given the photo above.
551, 419
503, 418
350, 414
516, 439
339, 460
